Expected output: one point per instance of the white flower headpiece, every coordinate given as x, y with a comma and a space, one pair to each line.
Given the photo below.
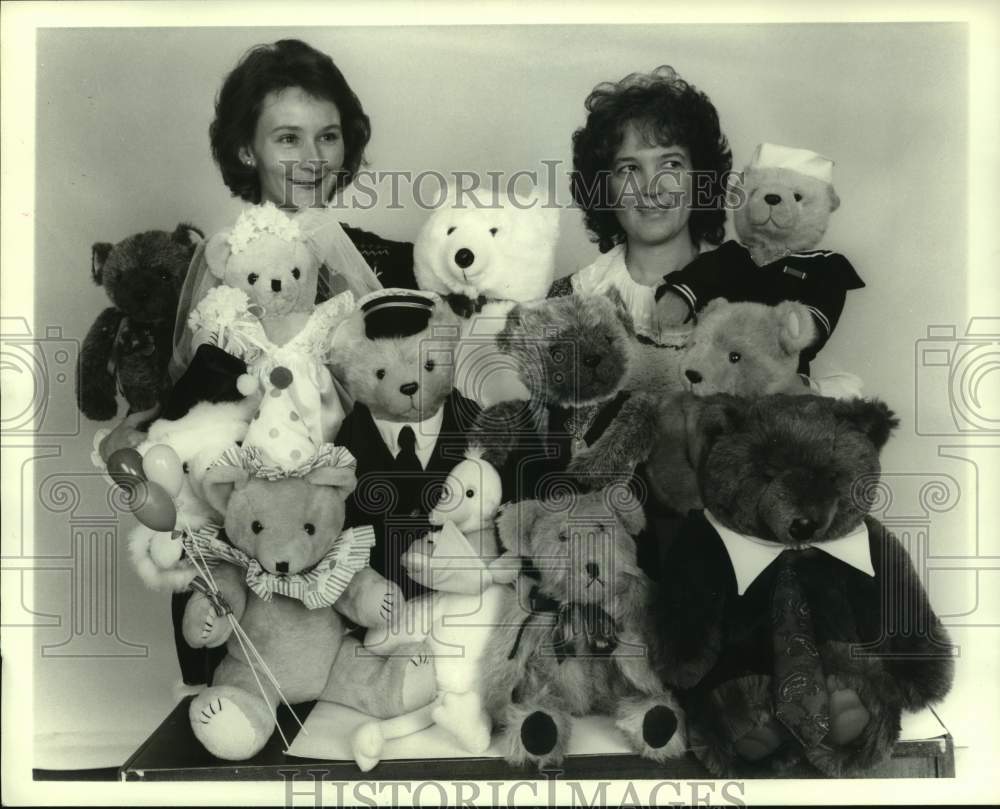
257, 220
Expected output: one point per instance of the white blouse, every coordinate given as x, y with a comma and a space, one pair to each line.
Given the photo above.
608, 271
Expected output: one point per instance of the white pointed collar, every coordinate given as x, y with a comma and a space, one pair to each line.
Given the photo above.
751, 555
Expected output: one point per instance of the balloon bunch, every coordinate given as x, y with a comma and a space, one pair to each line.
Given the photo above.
152, 481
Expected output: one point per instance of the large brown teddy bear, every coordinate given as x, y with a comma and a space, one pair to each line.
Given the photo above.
285, 532
796, 623
129, 345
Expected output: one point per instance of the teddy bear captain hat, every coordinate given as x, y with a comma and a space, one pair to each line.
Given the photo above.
396, 312
804, 161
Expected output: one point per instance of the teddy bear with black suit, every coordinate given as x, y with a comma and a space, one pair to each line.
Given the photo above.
795, 625
408, 428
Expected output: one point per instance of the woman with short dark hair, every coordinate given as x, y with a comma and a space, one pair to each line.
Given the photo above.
288, 129
650, 167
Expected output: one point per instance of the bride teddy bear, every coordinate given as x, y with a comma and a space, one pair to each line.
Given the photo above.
264, 312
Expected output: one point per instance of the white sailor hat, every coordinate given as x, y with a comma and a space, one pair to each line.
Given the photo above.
773, 156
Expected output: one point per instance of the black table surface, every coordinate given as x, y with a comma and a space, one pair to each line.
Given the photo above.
172, 753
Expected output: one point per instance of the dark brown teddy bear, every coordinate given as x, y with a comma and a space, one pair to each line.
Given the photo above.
129, 345
795, 622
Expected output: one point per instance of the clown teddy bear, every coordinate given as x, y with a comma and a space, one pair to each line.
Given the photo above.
265, 313
788, 198
284, 561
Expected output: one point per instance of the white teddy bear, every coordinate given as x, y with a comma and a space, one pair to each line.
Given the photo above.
484, 255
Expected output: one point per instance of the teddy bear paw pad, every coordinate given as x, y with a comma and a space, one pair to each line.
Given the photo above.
539, 734
224, 729
848, 716
659, 726
759, 742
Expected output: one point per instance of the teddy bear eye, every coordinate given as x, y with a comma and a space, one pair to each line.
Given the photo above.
735, 356
310, 528
493, 231
798, 197
380, 373
252, 278
429, 365
470, 492
256, 526
296, 273
451, 230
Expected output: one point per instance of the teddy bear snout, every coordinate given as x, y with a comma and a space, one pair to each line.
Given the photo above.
409, 388
772, 199
802, 529
281, 567
465, 258
593, 570
276, 285
592, 360
694, 377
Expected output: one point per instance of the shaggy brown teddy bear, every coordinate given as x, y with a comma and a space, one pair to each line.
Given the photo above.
574, 353
127, 348
569, 639
795, 622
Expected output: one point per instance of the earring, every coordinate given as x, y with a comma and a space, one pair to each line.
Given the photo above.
249, 161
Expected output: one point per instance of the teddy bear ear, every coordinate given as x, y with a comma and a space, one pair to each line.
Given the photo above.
217, 253
834, 199
220, 482
187, 235
708, 418
513, 326
796, 327
99, 253
515, 523
870, 416
340, 478
623, 504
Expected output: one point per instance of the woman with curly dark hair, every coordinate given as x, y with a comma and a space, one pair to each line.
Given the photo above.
650, 168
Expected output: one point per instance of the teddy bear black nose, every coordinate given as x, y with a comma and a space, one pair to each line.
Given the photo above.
802, 528
592, 360
409, 388
281, 567
772, 199
693, 376
276, 284
464, 258
592, 570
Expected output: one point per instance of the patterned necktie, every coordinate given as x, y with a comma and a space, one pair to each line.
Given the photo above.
800, 697
408, 469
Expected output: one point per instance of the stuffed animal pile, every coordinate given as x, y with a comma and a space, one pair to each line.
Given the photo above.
507, 513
